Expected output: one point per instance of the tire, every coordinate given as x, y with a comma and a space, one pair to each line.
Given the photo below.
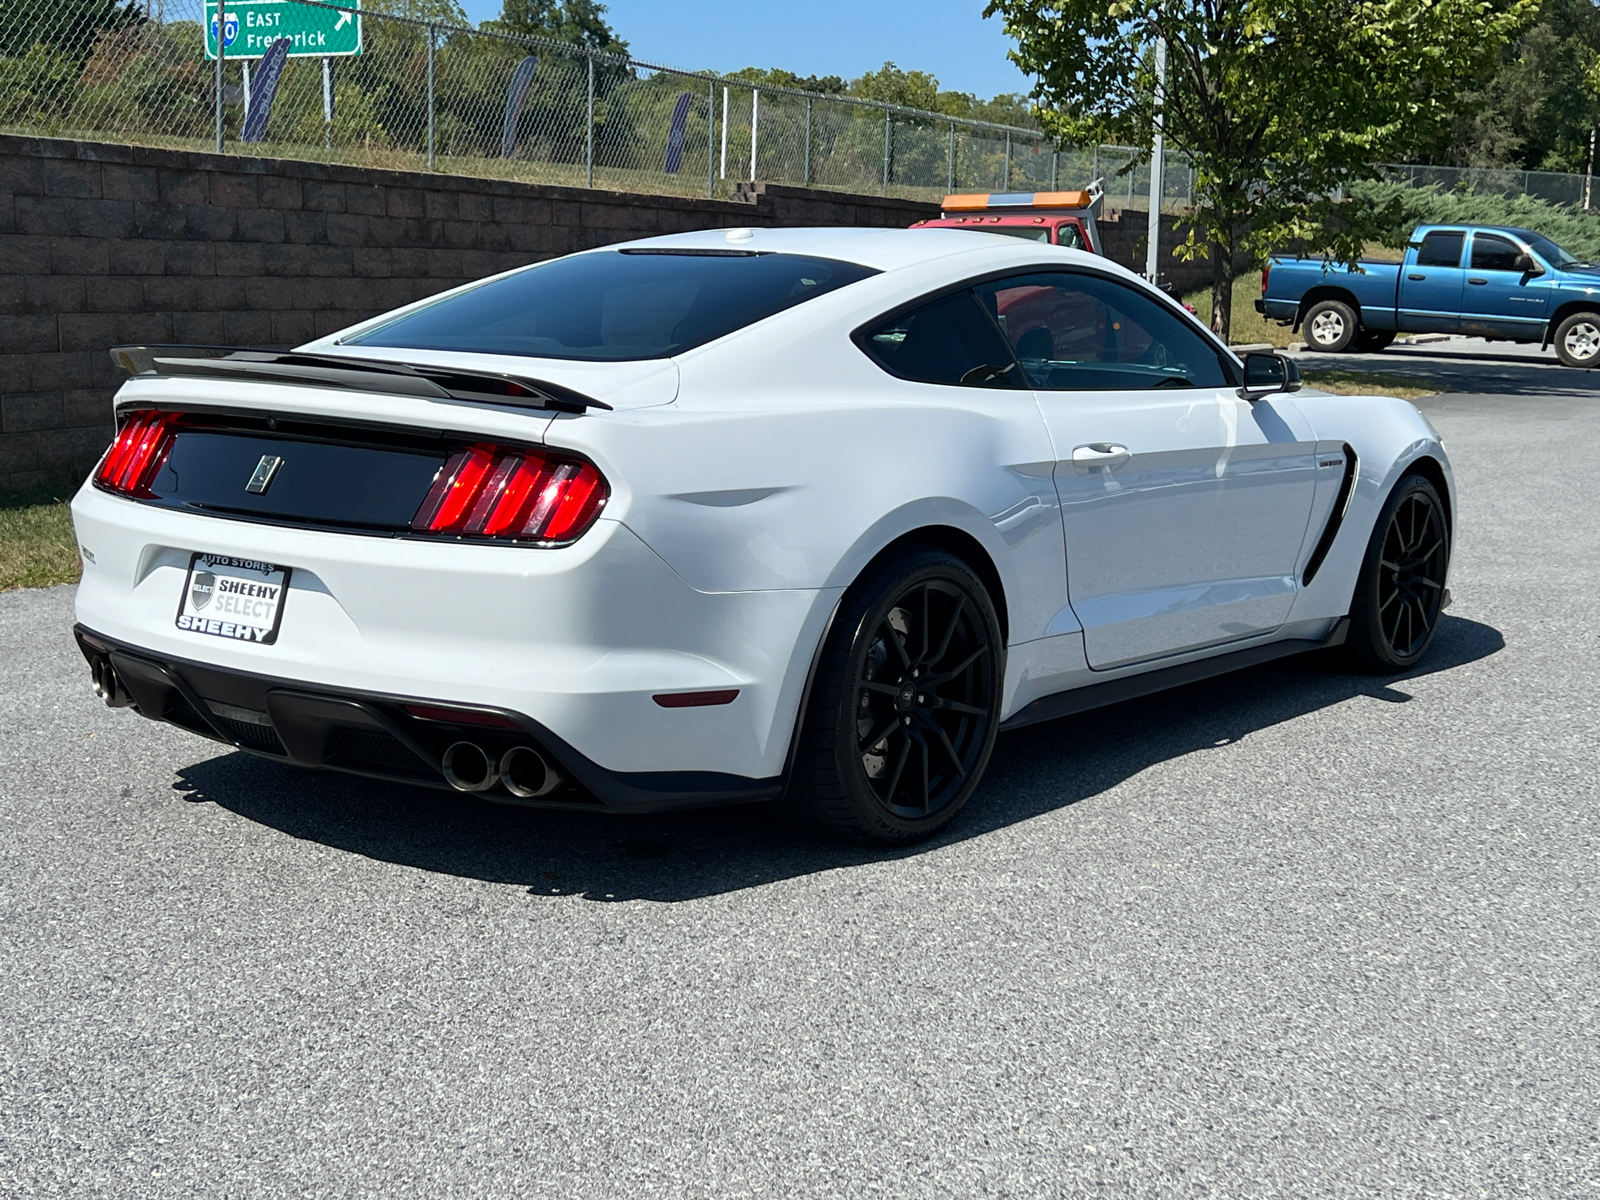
1371, 341
1329, 326
1399, 595
1578, 340
884, 758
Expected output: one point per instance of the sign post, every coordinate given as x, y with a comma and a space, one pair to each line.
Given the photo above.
250, 27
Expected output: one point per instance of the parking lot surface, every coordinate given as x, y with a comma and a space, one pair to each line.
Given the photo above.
1292, 933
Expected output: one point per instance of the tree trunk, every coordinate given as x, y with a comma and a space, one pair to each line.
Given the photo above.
1222, 288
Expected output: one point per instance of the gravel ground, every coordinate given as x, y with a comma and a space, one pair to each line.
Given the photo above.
1292, 934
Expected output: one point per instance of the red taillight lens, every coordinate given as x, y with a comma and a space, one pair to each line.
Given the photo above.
1265, 271
141, 447
521, 495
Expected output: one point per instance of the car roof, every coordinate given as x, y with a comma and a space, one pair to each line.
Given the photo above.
882, 249
1474, 227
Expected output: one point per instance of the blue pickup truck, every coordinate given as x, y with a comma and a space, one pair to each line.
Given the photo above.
1484, 281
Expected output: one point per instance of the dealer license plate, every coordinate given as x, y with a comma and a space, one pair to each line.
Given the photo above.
236, 598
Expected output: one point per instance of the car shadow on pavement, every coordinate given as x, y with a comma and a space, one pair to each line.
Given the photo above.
1465, 375
686, 855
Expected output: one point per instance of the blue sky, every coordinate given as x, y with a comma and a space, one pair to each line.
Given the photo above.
950, 38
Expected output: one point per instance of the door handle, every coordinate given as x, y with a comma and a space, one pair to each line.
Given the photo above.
1477, 281
1100, 454
1416, 277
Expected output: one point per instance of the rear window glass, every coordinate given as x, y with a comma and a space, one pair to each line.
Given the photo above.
616, 304
950, 340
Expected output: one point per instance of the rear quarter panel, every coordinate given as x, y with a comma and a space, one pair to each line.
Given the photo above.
1371, 284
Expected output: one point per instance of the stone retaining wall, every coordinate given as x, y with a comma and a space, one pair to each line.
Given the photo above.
106, 244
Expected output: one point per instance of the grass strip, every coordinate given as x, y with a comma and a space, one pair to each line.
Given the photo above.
37, 546
1367, 383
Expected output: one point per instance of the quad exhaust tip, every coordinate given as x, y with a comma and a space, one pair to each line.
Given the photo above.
106, 684
526, 774
468, 767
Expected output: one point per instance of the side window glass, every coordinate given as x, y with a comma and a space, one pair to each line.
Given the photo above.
1491, 253
1083, 332
1069, 235
1441, 248
950, 340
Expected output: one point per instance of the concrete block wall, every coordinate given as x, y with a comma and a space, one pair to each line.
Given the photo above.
106, 244
1125, 235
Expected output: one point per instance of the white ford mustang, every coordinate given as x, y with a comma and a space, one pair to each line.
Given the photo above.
740, 515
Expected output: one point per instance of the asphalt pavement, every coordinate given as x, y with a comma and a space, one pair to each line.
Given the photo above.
1294, 933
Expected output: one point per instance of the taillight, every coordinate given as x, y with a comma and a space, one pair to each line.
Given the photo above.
513, 494
141, 447
1265, 271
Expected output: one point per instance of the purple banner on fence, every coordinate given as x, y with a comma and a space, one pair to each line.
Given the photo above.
520, 80
264, 91
675, 134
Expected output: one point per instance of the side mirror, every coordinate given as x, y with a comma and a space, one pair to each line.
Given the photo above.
1265, 374
1524, 263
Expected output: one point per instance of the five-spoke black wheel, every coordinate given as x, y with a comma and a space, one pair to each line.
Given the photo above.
1400, 593
905, 706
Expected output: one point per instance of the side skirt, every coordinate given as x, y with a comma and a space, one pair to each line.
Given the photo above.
1098, 695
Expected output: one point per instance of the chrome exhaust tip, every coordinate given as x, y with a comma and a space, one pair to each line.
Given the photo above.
106, 684
526, 774
467, 767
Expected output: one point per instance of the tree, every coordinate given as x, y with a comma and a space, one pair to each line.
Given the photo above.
580, 22
827, 85
1280, 104
70, 26
1536, 112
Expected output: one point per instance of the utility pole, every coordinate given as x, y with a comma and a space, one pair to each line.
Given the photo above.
1588, 173
221, 22
1152, 253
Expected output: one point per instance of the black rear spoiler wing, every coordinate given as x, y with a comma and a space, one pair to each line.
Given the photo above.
358, 374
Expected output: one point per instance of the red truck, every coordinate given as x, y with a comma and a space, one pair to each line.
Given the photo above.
1059, 218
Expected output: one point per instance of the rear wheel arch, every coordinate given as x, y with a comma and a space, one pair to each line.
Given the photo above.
948, 538
1325, 292
962, 545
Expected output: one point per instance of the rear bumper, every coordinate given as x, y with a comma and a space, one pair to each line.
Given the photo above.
578, 639
1278, 310
372, 733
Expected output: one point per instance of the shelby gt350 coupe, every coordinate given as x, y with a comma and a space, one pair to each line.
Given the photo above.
799, 514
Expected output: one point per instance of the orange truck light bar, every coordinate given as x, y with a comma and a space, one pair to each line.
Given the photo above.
988, 201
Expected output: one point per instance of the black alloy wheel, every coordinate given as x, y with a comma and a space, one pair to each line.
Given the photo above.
905, 707
1400, 594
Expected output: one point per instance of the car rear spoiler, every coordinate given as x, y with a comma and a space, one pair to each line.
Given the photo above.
359, 374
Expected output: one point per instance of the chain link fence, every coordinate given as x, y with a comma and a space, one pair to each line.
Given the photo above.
1553, 187
379, 88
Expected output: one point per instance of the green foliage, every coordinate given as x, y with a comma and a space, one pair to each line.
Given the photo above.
69, 26
36, 84
1576, 231
1539, 107
580, 22
1280, 104
828, 85
37, 546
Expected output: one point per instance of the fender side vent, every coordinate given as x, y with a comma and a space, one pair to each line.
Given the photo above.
1341, 503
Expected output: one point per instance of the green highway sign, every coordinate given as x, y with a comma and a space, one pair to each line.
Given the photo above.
249, 27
